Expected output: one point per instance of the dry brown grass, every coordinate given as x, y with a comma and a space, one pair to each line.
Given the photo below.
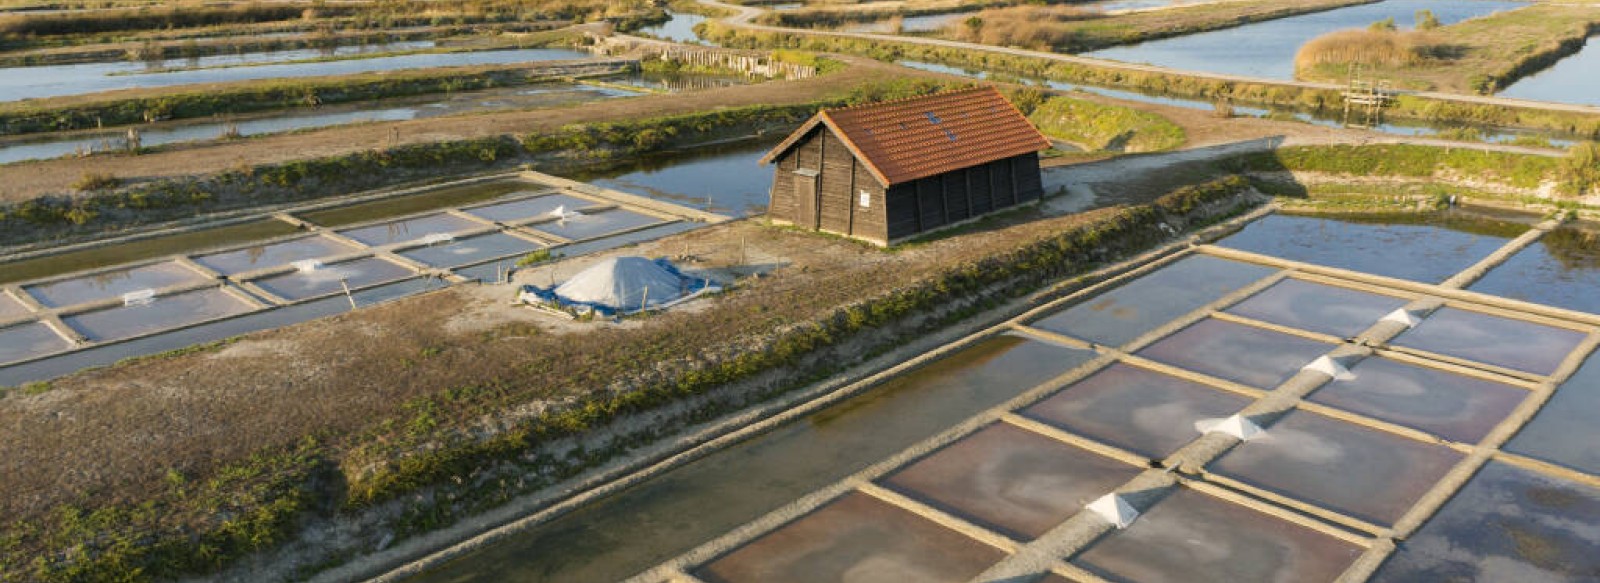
1036, 27
1368, 47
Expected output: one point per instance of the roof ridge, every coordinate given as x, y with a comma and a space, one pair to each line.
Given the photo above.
875, 104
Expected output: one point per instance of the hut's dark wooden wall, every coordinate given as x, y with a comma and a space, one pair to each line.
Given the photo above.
905, 209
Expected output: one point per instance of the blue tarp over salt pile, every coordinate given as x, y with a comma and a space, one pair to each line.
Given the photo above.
622, 285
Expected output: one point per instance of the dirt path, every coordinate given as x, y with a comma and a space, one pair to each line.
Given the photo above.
31, 179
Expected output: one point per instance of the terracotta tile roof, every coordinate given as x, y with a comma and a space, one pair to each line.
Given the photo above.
907, 139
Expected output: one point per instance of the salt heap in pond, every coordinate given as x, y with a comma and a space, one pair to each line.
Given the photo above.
622, 285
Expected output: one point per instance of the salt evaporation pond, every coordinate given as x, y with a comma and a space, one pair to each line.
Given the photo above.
1570, 80
679, 27
726, 179
111, 284
31, 86
1422, 247
1561, 269
1267, 49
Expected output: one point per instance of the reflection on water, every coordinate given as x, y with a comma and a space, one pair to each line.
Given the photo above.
27, 341
1189, 536
1451, 406
1419, 247
1514, 344
161, 313
1506, 524
426, 201
108, 255
855, 538
159, 134
1367, 474
1571, 80
679, 27
1561, 269
1244, 354
469, 251
1114, 318
111, 284
1145, 412
31, 84
721, 179
273, 255
410, 229
1011, 479
1267, 49
925, 23
585, 226
1565, 431
629, 531
299, 285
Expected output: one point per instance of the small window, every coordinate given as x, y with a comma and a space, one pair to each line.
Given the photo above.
931, 117
950, 134
866, 199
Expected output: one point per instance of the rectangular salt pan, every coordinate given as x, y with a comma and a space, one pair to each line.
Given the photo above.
533, 208
854, 538
410, 229
1429, 251
11, 308
1452, 406
1124, 313
29, 340
1316, 307
1142, 411
1565, 431
1012, 479
1513, 344
359, 273
1253, 356
1561, 269
588, 226
159, 313
470, 251
273, 255
112, 284
1189, 536
1359, 471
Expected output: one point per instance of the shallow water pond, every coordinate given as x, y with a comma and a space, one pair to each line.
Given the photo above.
1425, 248
1561, 269
111, 284
1145, 412
1116, 317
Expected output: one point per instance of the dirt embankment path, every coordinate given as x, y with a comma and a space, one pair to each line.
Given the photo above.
32, 179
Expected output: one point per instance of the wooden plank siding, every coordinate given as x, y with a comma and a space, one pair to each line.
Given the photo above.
900, 210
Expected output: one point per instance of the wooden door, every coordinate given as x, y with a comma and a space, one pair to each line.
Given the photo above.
806, 199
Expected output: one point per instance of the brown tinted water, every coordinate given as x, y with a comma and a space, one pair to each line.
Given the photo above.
1340, 466
855, 539
1189, 537
1506, 524
1011, 479
1120, 315
1449, 405
57, 264
1514, 344
1244, 354
1142, 411
630, 531
1318, 308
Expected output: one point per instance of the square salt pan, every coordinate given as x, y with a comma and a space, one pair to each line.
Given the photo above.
1189, 536
1361, 472
1504, 342
854, 538
1318, 308
1145, 412
1012, 479
1565, 431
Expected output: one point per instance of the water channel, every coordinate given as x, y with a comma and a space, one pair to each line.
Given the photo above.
61, 80
1267, 49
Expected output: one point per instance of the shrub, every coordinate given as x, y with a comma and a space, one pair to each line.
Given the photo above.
96, 181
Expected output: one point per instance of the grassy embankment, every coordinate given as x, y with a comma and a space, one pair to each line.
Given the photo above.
831, 16
1481, 55
1406, 106
1105, 128
183, 21
430, 458
1072, 29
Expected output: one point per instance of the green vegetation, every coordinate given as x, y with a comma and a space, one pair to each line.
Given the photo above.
536, 257
96, 181
1065, 28
1518, 170
1406, 106
24, 117
165, 199
1097, 127
1481, 55
837, 15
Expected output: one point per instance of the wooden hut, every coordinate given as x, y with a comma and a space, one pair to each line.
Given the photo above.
887, 171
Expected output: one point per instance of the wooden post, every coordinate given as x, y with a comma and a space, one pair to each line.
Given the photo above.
644, 301
346, 285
